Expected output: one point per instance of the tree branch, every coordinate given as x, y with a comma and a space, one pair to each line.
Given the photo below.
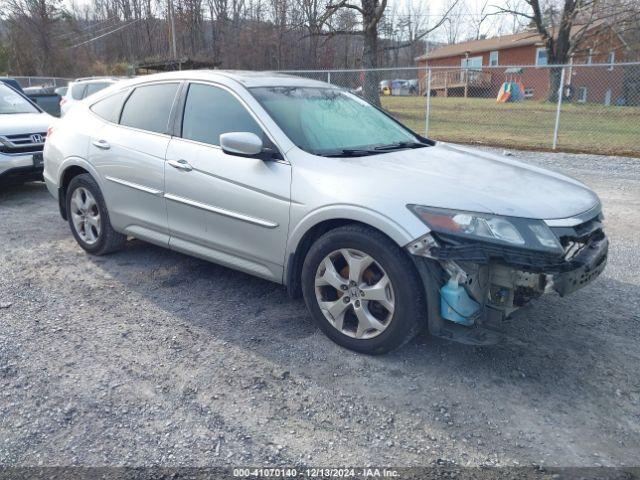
408, 43
502, 10
354, 7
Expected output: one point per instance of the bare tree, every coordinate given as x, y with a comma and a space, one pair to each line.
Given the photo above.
370, 13
479, 19
453, 23
561, 30
410, 32
33, 24
510, 23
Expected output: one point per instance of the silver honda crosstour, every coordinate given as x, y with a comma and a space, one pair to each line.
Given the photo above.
382, 231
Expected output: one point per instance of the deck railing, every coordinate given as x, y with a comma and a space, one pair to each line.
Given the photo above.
459, 78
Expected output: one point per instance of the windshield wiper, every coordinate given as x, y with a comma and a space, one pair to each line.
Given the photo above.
352, 152
362, 152
400, 145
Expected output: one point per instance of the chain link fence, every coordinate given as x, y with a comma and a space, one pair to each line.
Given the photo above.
42, 82
592, 108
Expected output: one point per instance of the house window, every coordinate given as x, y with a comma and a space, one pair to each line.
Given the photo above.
612, 59
493, 58
528, 92
582, 94
474, 63
541, 57
590, 57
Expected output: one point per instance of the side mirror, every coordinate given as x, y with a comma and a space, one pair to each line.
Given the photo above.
244, 144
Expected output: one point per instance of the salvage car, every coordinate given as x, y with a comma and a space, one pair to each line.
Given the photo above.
381, 230
23, 130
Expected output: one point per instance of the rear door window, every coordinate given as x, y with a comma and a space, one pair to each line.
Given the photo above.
149, 106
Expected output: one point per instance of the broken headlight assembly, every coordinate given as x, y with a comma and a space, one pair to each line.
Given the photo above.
510, 231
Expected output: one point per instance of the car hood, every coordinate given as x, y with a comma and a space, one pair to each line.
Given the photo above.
461, 178
17, 123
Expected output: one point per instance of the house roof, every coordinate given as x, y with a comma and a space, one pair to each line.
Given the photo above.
528, 37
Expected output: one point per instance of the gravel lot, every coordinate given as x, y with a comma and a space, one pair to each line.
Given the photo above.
151, 357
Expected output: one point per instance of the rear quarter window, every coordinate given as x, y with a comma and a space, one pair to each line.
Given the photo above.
109, 108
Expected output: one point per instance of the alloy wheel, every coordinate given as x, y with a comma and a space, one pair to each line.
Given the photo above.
354, 293
85, 215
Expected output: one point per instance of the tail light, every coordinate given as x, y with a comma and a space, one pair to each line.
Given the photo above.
63, 101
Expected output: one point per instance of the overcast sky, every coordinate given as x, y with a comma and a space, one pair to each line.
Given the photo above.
467, 12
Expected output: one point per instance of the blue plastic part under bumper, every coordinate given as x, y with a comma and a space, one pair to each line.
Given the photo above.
456, 305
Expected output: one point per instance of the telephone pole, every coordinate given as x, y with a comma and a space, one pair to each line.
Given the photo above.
172, 28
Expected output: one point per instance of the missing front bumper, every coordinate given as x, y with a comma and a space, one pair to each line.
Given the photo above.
502, 279
568, 274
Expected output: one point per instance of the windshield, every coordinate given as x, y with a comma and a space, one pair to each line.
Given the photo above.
327, 121
12, 102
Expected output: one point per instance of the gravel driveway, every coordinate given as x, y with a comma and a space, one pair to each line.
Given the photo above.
151, 357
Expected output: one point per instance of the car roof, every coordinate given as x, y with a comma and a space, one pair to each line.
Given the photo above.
95, 80
247, 78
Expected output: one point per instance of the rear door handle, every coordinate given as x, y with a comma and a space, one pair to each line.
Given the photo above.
180, 165
101, 144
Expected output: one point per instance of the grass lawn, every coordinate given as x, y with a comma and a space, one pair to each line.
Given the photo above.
529, 125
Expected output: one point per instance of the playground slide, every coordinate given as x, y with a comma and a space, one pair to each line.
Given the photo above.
511, 92
505, 93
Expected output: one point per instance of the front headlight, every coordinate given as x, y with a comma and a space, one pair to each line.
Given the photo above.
514, 231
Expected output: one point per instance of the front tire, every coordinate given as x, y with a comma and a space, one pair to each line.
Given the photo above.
89, 219
362, 290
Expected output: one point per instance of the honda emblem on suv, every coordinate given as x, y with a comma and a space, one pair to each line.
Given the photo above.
36, 138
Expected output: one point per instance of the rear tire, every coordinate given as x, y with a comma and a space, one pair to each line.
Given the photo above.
362, 290
89, 219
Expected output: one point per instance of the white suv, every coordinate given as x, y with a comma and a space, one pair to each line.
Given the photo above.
82, 88
23, 129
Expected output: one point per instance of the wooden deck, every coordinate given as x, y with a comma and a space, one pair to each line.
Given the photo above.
445, 80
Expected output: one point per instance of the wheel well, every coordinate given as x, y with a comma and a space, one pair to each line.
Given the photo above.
67, 176
296, 259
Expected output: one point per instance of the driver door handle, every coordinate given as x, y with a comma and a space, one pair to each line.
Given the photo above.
180, 165
101, 144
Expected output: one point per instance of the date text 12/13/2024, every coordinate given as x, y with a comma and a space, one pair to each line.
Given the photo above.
315, 472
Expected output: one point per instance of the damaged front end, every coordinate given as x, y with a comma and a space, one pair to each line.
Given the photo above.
478, 269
